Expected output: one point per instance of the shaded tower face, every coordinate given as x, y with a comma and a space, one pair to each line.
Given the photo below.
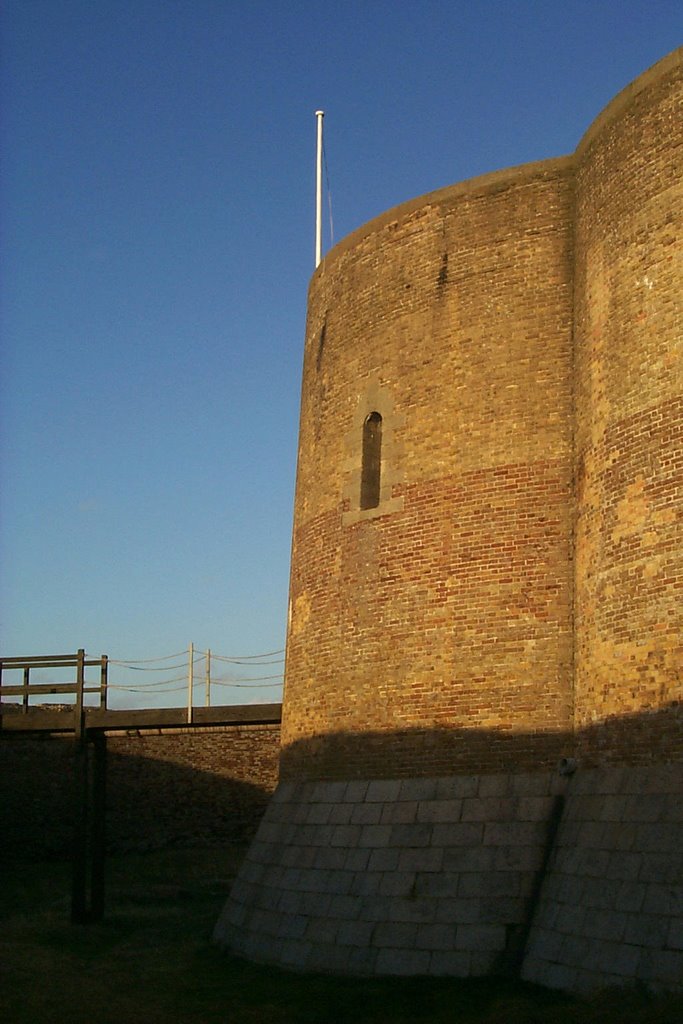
432, 578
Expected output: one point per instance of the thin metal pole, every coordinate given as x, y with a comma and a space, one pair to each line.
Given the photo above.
208, 679
190, 683
319, 190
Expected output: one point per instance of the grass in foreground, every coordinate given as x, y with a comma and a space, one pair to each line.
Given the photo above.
152, 962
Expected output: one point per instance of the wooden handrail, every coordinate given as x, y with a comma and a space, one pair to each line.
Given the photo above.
78, 687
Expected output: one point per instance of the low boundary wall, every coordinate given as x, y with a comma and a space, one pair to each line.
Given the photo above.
166, 785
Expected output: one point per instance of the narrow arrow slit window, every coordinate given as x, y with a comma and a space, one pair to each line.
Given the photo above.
372, 461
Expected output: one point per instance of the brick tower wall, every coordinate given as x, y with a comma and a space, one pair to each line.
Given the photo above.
438, 624
629, 422
520, 338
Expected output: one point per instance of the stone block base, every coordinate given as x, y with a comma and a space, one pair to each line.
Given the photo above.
443, 877
612, 902
396, 876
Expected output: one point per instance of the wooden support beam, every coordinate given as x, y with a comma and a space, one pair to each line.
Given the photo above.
89, 837
98, 826
79, 861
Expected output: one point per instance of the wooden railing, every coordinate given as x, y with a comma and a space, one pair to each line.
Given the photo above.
90, 766
78, 687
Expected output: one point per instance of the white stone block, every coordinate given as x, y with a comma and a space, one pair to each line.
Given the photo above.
536, 784
406, 837
494, 785
383, 790
347, 836
321, 929
402, 812
375, 835
647, 930
418, 789
675, 936
403, 908
480, 937
469, 858
534, 808
439, 810
341, 814
345, 907
399, 883
459, 833
385, 859
430, 859
450, 964
355, 933
456, 786
395, 934
404, 962
457, 910
366, 814
356, 859
435, 936
355, 791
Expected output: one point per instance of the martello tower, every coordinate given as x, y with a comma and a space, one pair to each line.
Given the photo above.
487, 568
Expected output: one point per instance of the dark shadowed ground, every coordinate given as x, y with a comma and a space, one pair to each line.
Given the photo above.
152, 962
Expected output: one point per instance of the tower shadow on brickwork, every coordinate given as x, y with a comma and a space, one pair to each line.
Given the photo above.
642, 738
152, 803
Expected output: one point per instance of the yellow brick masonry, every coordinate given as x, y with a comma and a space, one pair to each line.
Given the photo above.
521, 335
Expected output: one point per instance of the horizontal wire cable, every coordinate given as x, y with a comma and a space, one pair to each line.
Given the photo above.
137, 689
164, 686
245, 657
199, 656
163, 668
152, 685
181, 689
197, 680
144, 661
248, 686
247, 664
243, 679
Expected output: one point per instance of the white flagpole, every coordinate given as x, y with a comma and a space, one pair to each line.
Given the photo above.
319, 190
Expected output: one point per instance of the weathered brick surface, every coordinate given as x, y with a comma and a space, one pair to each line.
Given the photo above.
163, 786
520, 335
453, 608
629, 411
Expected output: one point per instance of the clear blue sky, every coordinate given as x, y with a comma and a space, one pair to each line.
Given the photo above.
157, 222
